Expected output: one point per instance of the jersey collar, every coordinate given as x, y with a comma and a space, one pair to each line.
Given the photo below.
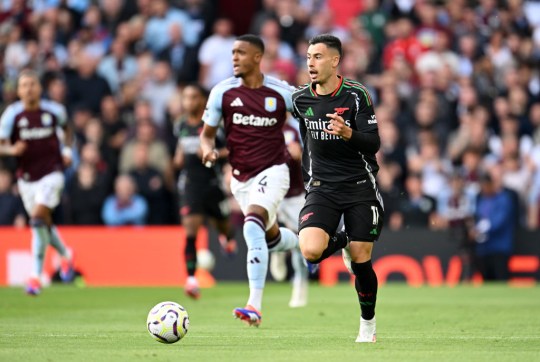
333, 94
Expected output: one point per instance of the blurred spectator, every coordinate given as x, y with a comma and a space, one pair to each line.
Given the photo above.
85, 197
113, 12
16, 55
82, 80
494, 228
432, 165
91, 154
118, 67
215, 54
12, 211
181, 57
150, 185
455, 209
158, 154
322, 22
125, 206
158, 91
271, 33
415, 209
373, 20
156, 34
114, 131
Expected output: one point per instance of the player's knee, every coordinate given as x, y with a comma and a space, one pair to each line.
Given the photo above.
37, 222
310, 252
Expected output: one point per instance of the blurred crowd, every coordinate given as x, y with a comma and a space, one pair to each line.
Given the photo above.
456, 86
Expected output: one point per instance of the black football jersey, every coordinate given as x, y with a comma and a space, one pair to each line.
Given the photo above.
327, 157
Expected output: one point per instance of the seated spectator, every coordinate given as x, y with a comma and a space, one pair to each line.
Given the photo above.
159, 156
85, 197
182, 58
11, 210
125, 206
416, 209
151, 186
118, 67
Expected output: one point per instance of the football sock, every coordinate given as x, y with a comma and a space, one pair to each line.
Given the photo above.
190, 254
58, 244
299, 268
257, 257
40, 239
366, 287
337, 242
286, 240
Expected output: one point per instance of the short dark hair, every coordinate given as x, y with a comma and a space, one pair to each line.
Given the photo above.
198, 87
252, 39
329, 40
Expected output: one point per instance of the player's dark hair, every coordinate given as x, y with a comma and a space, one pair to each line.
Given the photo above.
329, 40
199, 88
252, 39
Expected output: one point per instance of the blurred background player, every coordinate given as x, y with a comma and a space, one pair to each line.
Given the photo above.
288, 212
495, 224
29, 130
254, 109
199, 186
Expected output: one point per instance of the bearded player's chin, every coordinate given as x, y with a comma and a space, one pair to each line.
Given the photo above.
238, 75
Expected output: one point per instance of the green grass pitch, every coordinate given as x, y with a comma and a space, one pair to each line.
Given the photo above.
466, 323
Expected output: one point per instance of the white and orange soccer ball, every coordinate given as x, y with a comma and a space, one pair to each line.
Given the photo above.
167, 322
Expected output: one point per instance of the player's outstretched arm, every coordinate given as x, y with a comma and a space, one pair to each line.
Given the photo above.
208, 145
8, 149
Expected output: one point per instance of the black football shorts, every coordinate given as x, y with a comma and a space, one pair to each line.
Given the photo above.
359, 204
204, 199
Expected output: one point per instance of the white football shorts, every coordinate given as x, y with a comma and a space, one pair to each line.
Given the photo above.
267, 189
45, 191
289, 209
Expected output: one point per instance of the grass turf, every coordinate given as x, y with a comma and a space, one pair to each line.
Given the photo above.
65, 323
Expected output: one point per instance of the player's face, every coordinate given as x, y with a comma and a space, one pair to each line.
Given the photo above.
29, 89
322, 62
192, 100
246, 58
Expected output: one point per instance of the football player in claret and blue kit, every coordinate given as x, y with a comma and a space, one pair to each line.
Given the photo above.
30, 130
254, 108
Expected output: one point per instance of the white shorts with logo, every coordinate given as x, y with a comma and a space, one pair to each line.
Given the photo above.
289, 210
45, 191
267, 189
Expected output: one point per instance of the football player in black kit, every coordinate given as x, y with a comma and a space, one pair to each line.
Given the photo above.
341, 138
200, 187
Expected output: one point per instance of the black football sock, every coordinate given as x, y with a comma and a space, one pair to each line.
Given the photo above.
366, 287
337, 242
190, 255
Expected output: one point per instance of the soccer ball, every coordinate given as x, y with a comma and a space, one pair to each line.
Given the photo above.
205, 259
167, 322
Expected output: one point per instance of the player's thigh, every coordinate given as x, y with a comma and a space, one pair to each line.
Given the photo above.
216, 204
318, 214
364, 221
192, 201
46, 191
267, 189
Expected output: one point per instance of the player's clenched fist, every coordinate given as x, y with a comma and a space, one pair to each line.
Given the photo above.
338, 127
